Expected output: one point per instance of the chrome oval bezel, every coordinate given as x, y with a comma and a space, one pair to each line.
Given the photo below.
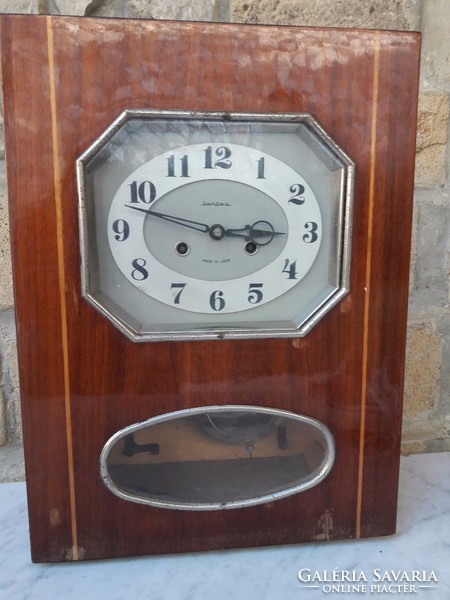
319, 475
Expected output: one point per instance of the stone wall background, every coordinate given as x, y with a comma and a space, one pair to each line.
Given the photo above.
427, 383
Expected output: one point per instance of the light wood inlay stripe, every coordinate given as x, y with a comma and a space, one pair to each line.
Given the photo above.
62, 285
365, 349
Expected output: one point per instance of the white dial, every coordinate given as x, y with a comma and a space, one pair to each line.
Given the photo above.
214, 228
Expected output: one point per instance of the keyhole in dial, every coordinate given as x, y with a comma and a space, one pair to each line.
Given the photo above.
182, 248
251, 248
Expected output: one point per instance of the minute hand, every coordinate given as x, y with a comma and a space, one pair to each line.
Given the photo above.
178, 220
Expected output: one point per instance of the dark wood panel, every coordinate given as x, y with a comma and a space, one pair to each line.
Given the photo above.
395, 154
37, 299
82, 380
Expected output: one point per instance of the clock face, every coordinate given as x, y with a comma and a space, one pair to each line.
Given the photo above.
202, 226
214, 228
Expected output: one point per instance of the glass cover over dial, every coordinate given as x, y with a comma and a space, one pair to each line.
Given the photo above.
204, 225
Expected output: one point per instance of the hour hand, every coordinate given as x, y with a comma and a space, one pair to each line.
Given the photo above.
178, 220
261, 232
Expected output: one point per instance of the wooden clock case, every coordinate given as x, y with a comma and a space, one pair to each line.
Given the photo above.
64, 81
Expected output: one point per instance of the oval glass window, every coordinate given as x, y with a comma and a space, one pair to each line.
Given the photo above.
217, 457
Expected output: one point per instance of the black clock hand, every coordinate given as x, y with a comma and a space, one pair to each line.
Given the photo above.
254, 232
217, 232
178, 220
251, 233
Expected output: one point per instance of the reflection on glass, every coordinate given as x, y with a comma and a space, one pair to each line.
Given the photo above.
217, 457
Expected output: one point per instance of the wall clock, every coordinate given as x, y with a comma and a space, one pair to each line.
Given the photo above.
213, 353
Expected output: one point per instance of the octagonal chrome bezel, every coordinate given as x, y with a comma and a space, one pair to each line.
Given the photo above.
343, 241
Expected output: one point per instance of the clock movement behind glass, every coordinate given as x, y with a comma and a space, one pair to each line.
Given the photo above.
211, 276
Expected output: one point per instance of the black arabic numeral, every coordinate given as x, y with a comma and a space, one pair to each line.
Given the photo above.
311, 236
144, 192
208, 158
180, 287
290, 269
216, 300
297, 189
171, 166
223, 153
261, 166
255, 294
121, 229
139, 273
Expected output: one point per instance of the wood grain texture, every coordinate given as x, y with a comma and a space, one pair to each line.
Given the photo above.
82, 380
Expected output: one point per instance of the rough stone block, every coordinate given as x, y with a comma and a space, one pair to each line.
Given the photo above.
432, 131
195, 10
384, 14
12, 467
435, 67
19, 6
184, 10
431, 282
413, 259
422, 372
443, 327
3, 422
9, 383
73, 7
6, 288
409, 448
